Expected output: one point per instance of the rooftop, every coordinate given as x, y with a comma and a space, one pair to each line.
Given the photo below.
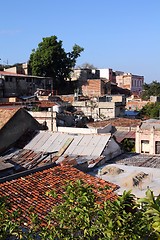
138, 160
31, 190
137, 179
6, 115
117, 122
11, 74
6, 73
22, 159
150, 123
69, 144
121, 135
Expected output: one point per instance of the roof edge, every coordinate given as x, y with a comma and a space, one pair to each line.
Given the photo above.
26, 173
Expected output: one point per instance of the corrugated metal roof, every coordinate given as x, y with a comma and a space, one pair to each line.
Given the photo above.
83, 145
23, 159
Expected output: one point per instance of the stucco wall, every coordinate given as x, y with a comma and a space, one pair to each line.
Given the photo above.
106, 129
77, 130
100, 109
150, 135
45, 116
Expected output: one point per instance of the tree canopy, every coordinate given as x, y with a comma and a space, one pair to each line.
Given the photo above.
151, 89
86, 65
51, 60
150, 110
80, 216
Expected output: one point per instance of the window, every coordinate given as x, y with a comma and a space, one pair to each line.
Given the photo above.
145, 146
157, 147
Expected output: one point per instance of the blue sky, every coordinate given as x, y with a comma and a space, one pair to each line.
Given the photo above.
119, 34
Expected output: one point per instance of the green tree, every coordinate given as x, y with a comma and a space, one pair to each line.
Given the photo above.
151, 204
86, 65
150, 110
80, 216
151, 89
51, 60
128, 145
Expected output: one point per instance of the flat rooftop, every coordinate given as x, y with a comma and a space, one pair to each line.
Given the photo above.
137, 179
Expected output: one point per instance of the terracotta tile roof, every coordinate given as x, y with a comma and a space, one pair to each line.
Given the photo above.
31, 190
46, 104
6, 115
119, 122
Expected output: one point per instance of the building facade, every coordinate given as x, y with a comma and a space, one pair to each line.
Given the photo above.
107, 73
94, 88
15, 84
148, 137
82, 75
132, 82
100, 110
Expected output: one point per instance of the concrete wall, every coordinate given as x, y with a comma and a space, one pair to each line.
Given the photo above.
77, 130
100, 109
106, 129
42, 117
16, 127
53, 119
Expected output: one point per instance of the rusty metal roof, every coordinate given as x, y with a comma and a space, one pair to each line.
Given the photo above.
23, 159
121, 135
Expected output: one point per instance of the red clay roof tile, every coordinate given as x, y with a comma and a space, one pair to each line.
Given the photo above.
31, 190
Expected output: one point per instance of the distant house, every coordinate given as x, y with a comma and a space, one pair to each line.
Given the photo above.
94, 88
13, 124
14, 83
135, 103
148, 137
130, 81
82, 75
107, 73
100, 109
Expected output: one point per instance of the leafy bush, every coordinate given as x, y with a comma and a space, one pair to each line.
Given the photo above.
81, 216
